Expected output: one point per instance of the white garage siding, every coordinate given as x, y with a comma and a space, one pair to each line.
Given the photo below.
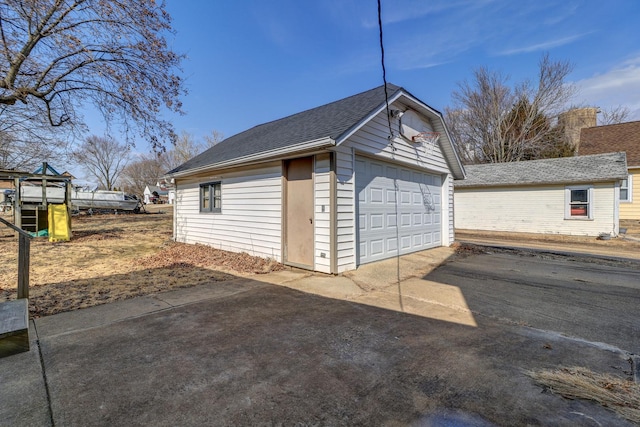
345, 206
373, 139
322, 213
534, 209
250, 220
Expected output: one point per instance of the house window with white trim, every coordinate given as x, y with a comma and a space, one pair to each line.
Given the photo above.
579, 202
211, 197
625, 189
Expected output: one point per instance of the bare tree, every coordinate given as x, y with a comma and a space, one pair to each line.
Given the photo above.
142, 172
492, 121
213, 138
186, 147
103, 158
614, 115
57, 56
26, 155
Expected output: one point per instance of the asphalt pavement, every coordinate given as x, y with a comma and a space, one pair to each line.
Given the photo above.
432, 338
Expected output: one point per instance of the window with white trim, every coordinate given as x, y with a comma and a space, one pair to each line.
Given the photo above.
211, 197
625, 189
579, 202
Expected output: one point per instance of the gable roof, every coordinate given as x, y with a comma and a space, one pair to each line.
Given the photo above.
619, 137
48, 170
564, 170
317, 128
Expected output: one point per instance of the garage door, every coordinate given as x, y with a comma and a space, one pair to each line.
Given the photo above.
398, 210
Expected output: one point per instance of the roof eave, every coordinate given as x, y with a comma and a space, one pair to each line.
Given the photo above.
258, 157
463, 184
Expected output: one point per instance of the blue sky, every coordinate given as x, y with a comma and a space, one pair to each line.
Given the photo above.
252, 61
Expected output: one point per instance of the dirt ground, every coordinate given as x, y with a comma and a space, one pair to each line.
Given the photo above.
114, 257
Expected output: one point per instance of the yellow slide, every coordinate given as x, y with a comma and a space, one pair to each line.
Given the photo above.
59, 223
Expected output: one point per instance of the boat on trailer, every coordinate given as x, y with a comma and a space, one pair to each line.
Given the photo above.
80, 199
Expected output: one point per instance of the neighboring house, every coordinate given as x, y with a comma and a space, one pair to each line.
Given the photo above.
619, 137
170, 189
569, 195
324, 189
156, 194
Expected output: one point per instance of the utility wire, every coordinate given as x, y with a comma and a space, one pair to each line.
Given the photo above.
384, 75
395, 182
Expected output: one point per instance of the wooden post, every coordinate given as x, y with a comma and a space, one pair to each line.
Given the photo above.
17, 205
67, 201
45, 203
24, 250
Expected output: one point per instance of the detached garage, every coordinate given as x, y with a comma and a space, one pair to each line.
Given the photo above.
327, 189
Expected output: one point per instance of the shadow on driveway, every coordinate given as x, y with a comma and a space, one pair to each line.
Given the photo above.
245, 352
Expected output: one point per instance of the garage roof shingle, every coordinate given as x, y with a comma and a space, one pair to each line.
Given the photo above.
564, 170
327, 121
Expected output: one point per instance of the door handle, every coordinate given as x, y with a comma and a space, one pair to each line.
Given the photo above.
311, 220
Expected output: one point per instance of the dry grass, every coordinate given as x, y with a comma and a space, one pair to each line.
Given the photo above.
632, 226
114, 257
617, 394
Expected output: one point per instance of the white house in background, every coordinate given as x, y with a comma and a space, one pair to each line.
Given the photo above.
570, 195
326, 189
159, 194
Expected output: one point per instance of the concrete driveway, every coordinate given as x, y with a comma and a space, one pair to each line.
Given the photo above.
440, 345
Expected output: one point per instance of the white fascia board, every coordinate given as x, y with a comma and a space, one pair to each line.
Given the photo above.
364, 121
424, 106
305, 146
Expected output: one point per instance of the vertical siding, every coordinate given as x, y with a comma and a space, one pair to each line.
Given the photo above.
322, 213
448, 186
345, 206
535, 209
632, 210
250, 220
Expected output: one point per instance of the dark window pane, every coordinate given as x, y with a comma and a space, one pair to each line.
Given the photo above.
205, 197
624, 190
579, 196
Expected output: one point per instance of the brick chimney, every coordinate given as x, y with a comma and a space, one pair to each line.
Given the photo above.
574, 120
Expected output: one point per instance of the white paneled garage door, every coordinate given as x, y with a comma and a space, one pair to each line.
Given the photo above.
397, 209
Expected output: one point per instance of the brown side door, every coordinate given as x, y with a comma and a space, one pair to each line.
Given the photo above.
299, 212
